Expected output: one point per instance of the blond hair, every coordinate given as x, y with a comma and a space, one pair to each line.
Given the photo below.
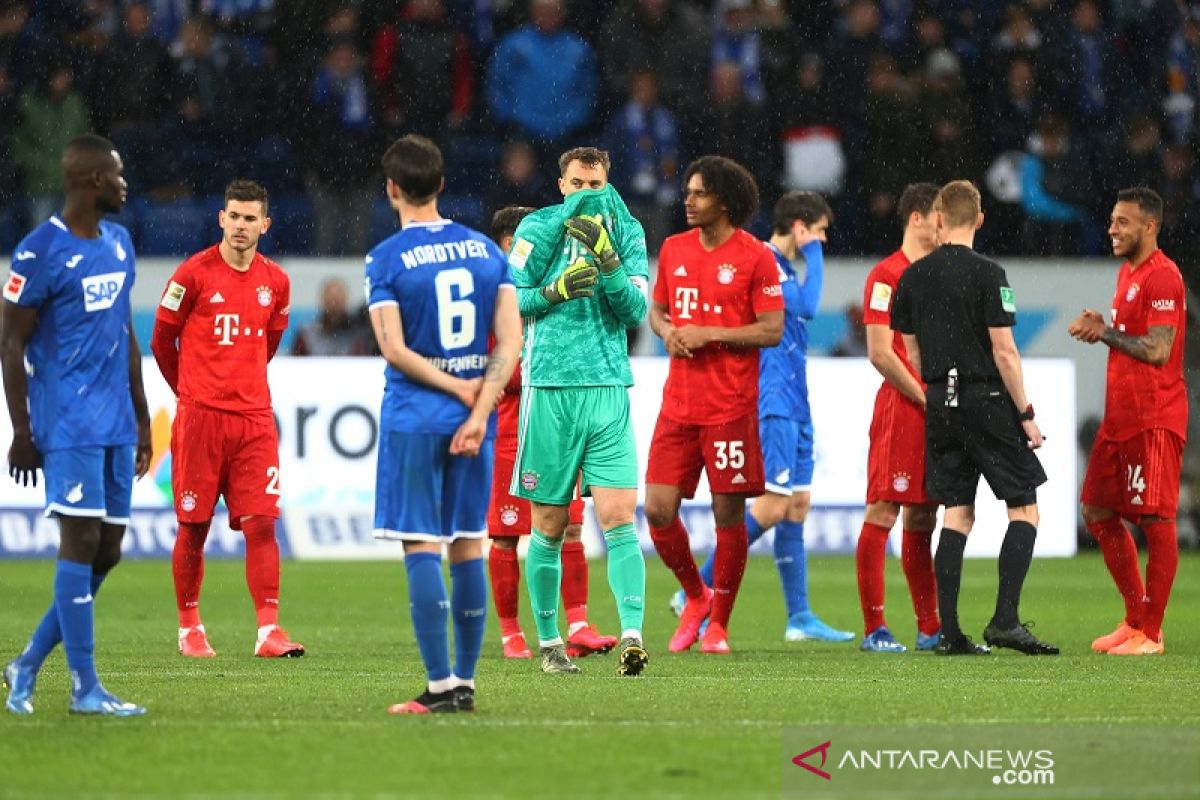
959, 204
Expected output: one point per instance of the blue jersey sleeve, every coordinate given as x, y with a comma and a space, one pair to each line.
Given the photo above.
814, 279
31, 280
378, 288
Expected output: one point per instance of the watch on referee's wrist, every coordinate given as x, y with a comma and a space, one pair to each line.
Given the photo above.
1027, 414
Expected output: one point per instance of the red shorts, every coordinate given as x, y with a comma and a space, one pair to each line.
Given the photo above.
1135, 477
896, 460
510, 516
729, 452
216, 453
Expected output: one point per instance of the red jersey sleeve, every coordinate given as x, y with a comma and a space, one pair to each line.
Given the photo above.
766, 293
179, 296
283, 302
661, 289
877, 297
1164, 297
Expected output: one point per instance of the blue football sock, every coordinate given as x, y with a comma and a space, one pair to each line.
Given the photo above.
792, 563
429, 607
48, 633
754, 532
468, 604
73, 599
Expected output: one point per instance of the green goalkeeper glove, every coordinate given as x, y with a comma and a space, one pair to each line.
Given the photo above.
576, 281
591, 233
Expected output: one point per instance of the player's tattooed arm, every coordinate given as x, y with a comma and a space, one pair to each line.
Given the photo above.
1154, 348
496, 368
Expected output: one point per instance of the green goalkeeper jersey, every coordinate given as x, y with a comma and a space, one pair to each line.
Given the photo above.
579, 342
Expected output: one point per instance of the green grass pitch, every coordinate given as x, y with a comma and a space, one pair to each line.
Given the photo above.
691, 726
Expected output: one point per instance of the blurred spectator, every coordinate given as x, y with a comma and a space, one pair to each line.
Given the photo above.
947, 121
1183, 79
848, 57
519, 182
1013, 108
1087, 71
1018, 39
1180, 190
334, 332
169, 16
421, 68
1138, 157
642, 141
1055, 189
853, 343
50, 115
664, 36
542, 79
341, 152
809, 128
736, 41
893, 150
732, 126
16, 49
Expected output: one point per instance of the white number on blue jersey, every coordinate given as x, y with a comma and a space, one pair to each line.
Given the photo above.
456, 317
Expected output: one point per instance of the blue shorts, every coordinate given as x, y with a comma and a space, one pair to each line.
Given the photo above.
424, 494
90, 482
787, 449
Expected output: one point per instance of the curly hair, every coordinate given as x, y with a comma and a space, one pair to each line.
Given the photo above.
729, 181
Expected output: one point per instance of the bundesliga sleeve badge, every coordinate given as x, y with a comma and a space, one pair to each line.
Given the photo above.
173, 296
881, 296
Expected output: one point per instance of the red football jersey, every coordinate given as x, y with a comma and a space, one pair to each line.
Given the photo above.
225, 316
727, 287
877, 300
1141, 396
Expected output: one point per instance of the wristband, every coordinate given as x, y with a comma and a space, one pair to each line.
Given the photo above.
1027, 414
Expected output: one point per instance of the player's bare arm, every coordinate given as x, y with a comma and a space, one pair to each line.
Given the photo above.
913, 349
141, 410
765, 331
660, 323
506, 325
17, 324
389, 334
1154, 348
889, 364
1008, 362
1088, 326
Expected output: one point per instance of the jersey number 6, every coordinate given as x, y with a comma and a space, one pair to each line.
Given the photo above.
456, 316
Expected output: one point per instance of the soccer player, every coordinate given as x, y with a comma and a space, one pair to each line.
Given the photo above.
896, 460
800, 221
717, 301
509, 517
436, 289
1133, 471
78, 410
581, 274
219, 322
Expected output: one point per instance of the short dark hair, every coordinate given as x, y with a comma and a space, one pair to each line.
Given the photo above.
247, 192
506, 220
959, 203
729, 181
808, 207
84, 155
1148, 201
590, 156
414, 163
917, 198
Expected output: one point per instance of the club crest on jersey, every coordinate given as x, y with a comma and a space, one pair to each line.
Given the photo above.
725, 274
264, 296
187, 501
901, 481
14, 287
508, 515
529, 480
1132, 293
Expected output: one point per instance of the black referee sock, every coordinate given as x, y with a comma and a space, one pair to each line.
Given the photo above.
1015, 554
947, 565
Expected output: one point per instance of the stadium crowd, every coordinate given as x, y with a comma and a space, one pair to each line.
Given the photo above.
1051, 105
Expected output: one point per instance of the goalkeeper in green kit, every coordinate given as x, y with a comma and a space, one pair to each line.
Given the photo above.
581, 274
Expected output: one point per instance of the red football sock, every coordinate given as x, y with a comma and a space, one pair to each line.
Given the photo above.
729, 565
869, 559
1163, 546
262, 568
675, 551
916, 554
505, 572
187, 565
1121, 558
574, 582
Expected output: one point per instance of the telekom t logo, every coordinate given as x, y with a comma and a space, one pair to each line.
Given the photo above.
823, 749
226, 327
685, 300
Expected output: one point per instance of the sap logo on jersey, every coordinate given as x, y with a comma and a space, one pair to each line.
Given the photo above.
101, 291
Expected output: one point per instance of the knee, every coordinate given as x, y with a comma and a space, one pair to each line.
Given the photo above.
574, 531
107, 557
1093, 514
660, 515
883, 514
919, 519
799, 507
504, 543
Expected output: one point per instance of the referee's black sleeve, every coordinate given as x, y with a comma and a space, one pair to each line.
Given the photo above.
902, 311
999, 303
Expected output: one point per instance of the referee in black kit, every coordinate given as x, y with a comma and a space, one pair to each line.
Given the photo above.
956, 312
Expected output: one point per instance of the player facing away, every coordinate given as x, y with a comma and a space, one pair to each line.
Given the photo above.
78, 410
509, 517
717, 301
1134, 469
436, 290
896, 459
800, 221
219, 322
581, 274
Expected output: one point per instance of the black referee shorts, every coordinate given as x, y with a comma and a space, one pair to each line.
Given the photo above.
980, 436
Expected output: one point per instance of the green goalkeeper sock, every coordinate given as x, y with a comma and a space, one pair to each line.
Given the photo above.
627, 577
543, 577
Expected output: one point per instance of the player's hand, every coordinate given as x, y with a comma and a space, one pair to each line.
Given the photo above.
591, 233
469, 436
468, 391
1034, 433
674, 348
1088, 327
805, 235
577, 280
24, 460
693, 337
141, 461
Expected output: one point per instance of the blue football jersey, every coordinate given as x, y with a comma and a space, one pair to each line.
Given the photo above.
444, 277
783, 369
78, 357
